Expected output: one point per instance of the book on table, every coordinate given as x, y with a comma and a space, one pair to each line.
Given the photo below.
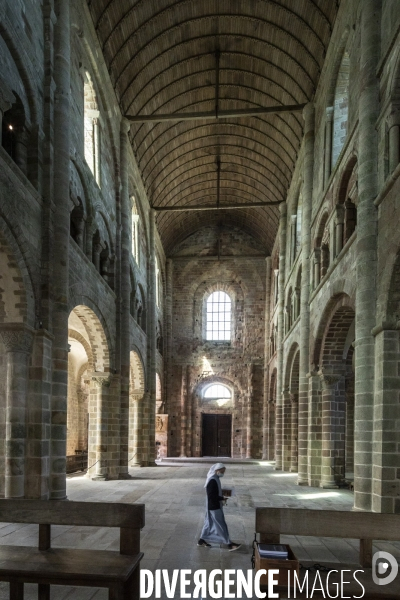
277, 551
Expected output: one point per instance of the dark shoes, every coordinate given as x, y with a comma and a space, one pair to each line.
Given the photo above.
233, 547
203, 543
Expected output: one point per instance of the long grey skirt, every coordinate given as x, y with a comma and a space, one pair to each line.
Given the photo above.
215, 528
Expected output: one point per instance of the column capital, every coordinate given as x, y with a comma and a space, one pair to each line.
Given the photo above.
17, 337
328, 378
283, 209
125, 125
393, 118
101, 379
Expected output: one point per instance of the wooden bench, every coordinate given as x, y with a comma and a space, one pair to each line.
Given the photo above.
271, 523
45, 566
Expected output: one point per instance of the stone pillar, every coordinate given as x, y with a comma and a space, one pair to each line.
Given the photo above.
266, 357
249, 420
294, 401
168, 332
317, 266
329, 415
125, 298
328, 143
17, 340
386, 457
151, 333
314, 430
293, 220
306, 265
183, 453
101, 384
286, 430
60, 250
394, 140
97, 248
339, 228
280, 336
135, 418
366, 250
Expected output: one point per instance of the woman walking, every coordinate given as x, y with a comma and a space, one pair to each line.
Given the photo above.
215, 528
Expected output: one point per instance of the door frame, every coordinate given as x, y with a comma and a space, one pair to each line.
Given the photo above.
216, 414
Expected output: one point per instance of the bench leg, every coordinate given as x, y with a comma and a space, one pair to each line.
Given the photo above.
16, 590
132, 586
43, 591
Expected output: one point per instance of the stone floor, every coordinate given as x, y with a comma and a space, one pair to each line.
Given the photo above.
174, 497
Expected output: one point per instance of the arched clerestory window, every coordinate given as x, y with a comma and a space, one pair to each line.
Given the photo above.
135, 230
218, 317
341, 108
91, 125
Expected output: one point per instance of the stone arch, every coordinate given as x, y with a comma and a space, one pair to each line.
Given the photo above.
97, 337
75, 335
95, 317
337, 301
137, 373
290, 414
136, 408
17, 301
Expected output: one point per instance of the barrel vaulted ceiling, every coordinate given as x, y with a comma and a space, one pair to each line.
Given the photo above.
188, 56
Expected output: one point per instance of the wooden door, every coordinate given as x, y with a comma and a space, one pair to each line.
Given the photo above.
217, 436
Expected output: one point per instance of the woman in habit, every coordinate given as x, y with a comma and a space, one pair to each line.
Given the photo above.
215, 528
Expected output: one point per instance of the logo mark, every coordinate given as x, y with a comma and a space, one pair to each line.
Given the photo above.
384, 568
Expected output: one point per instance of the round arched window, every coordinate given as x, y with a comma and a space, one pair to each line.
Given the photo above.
217, 391
218, 317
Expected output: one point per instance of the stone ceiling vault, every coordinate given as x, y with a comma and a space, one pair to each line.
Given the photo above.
162, 57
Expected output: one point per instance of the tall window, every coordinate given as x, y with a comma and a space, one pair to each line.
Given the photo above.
158, 287
91, 116
219, 309
135, 230
341, 108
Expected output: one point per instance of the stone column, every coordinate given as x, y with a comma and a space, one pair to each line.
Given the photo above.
249, 420
125, 297
101, 382
366, 251
339, 228
280, 336
293, 220
306, 265
394, 140
168, 331
328, 143
183, 453
317, 267
17, 340
286, 430
314, 430
135, 452
266, 357
294, 401
97, 248
329, 415
151, 333
60, 250
386, 457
